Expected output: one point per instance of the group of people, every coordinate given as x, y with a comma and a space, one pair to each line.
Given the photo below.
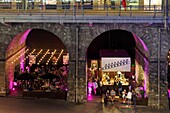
57, 83
110, 95
127, 96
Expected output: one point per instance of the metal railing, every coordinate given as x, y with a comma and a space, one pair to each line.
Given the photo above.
67, 13
73, 10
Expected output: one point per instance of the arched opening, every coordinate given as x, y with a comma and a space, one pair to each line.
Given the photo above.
37, 65
117, 56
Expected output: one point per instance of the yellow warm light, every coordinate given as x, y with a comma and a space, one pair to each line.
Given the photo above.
29, 54
53, 53
43, 56
20, 52
59, 56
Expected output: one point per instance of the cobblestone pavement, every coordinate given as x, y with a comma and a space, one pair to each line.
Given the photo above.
32, 105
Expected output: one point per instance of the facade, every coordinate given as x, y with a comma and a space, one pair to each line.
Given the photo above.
89, 4
78, 36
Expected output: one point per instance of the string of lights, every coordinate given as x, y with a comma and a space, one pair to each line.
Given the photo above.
51, 56
21, 54
59, 56
38, 53
43, 57
28, 55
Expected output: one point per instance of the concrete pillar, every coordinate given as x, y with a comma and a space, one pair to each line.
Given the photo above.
37, 4
95, 4
14, 4
141, 4
72, 3
71, 82
59, 4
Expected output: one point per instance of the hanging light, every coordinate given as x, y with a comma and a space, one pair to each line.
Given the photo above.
43, 57
29, 55
51, 56
38, 53
21, 54
59, 57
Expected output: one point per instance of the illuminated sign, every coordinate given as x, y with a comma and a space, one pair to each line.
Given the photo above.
116, 64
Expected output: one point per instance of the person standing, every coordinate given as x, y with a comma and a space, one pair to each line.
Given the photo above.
134, 99
95, 87
107, 96
119, 88
129, 97
124, 4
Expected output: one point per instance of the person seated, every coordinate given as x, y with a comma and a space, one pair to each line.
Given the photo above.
52, 87
107, 96
112, 95
124, 93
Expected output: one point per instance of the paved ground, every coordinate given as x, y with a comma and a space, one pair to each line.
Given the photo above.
32, 105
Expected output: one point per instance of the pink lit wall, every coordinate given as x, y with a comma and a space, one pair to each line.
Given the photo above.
10, 74
141, 45
24, 36
16, 44
142, 62
22, 63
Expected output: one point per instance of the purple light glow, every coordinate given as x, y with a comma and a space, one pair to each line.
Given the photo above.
169, 93
13, 43
11, 76
22, 63
18, 40
11, 83
15, 83
139, 41
146, 70
90, 87
24, 36
13, 88
89, 97
143, 48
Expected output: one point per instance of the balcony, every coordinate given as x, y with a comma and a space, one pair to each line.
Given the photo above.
67, 13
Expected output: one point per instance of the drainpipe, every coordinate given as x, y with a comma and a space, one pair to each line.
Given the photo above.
76, 78
165, 14
159, 53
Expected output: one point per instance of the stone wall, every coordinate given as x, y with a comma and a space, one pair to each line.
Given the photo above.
86, 34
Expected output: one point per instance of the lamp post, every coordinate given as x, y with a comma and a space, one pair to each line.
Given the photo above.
165, 14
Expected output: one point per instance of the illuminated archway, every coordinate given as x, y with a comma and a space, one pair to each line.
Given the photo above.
34, 47
120, 40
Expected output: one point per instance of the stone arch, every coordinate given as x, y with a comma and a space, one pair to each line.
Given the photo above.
138, 30
57, 29
150, 36
141, 46
18, 43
